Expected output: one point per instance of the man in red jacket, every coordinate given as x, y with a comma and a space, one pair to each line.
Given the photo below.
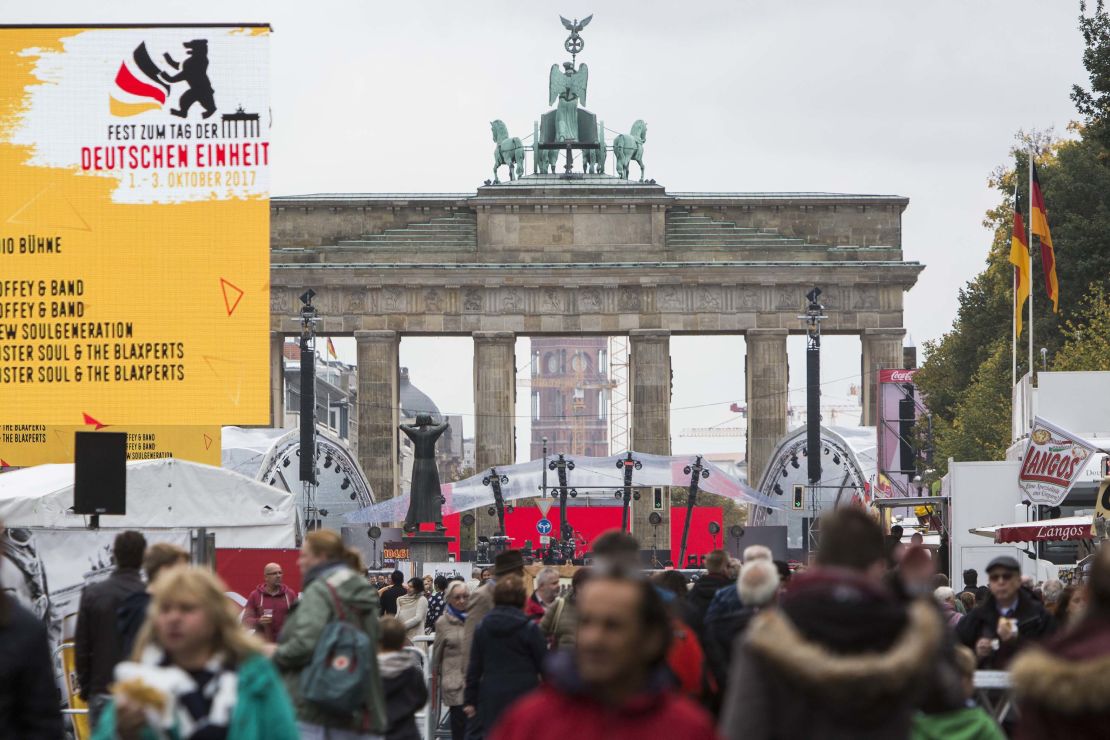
615, 685
268, 605
544, 593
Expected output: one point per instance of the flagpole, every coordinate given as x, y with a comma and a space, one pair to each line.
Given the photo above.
1014, 310
1029, 229
1013, 331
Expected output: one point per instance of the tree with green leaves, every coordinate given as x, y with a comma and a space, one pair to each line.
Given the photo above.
966, 376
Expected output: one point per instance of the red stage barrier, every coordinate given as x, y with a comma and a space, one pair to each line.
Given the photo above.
592, 521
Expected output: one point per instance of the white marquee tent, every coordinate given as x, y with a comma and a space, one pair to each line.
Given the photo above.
161, 495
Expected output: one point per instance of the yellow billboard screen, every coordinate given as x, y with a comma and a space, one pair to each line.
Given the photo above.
134, 225
24, 445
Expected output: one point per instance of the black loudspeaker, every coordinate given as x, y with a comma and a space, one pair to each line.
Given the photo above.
907, 418
308, 413
100, 473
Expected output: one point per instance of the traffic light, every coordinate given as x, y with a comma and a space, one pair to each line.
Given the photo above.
799, 496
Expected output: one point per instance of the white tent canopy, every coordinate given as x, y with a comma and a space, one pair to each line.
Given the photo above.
161, 495
602, 473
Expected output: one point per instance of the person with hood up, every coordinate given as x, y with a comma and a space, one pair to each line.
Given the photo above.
614, 684
447, 655
332, 573
269, 604
402, 680
506, 657
841, 657
1063, 684
412, 608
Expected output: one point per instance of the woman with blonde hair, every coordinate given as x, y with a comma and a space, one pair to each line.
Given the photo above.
449, 657
194, 673
334, 588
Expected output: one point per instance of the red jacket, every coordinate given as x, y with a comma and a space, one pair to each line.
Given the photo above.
534, 608
559, 709
259, 601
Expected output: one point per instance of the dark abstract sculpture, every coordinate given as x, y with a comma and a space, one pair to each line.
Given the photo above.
425, 498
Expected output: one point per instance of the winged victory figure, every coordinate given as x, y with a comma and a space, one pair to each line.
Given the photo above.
568, 86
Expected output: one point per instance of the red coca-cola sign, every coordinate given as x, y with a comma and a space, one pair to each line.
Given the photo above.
897, 376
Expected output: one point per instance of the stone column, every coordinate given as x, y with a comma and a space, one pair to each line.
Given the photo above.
882, 349
649, 380
494, 420
765, 378
277, 380
378, 409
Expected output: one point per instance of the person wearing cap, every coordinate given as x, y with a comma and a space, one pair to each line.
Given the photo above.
1007, 622
510, 562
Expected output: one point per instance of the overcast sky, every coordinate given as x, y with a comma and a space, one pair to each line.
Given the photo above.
920, 99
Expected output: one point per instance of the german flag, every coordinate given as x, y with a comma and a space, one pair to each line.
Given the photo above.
1039, 218
1019, 258
331, 349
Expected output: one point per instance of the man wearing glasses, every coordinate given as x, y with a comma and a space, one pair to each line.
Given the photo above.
1009, 620
268, 605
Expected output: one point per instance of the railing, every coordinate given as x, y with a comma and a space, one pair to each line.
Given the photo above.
994, 692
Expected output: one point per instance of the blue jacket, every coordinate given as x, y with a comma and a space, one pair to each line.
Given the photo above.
262, 710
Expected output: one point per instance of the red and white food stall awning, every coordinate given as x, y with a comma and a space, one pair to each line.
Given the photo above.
1050, 530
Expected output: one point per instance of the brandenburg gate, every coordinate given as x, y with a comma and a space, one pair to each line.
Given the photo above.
596, 255
571, 253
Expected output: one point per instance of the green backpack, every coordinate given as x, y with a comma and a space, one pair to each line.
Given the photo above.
336, 678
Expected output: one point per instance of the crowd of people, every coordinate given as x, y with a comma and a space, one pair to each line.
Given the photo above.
869, 641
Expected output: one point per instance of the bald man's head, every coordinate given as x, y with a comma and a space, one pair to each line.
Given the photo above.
273, 574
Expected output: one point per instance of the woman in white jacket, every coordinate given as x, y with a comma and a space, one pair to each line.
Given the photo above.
412, 608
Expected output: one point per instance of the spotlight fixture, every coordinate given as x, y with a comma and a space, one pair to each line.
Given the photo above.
826, 450
327, 461
777, 489
654, 519
345, 484
836, 459
491, 511
794, 462
573, 493
353, 496
636, 495
784, 472
714, 528
285, 463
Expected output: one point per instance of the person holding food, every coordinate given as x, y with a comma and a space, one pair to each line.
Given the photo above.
195, 674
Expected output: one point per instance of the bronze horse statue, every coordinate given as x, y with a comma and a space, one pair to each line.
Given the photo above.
509, 151
630, 147
593, 160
